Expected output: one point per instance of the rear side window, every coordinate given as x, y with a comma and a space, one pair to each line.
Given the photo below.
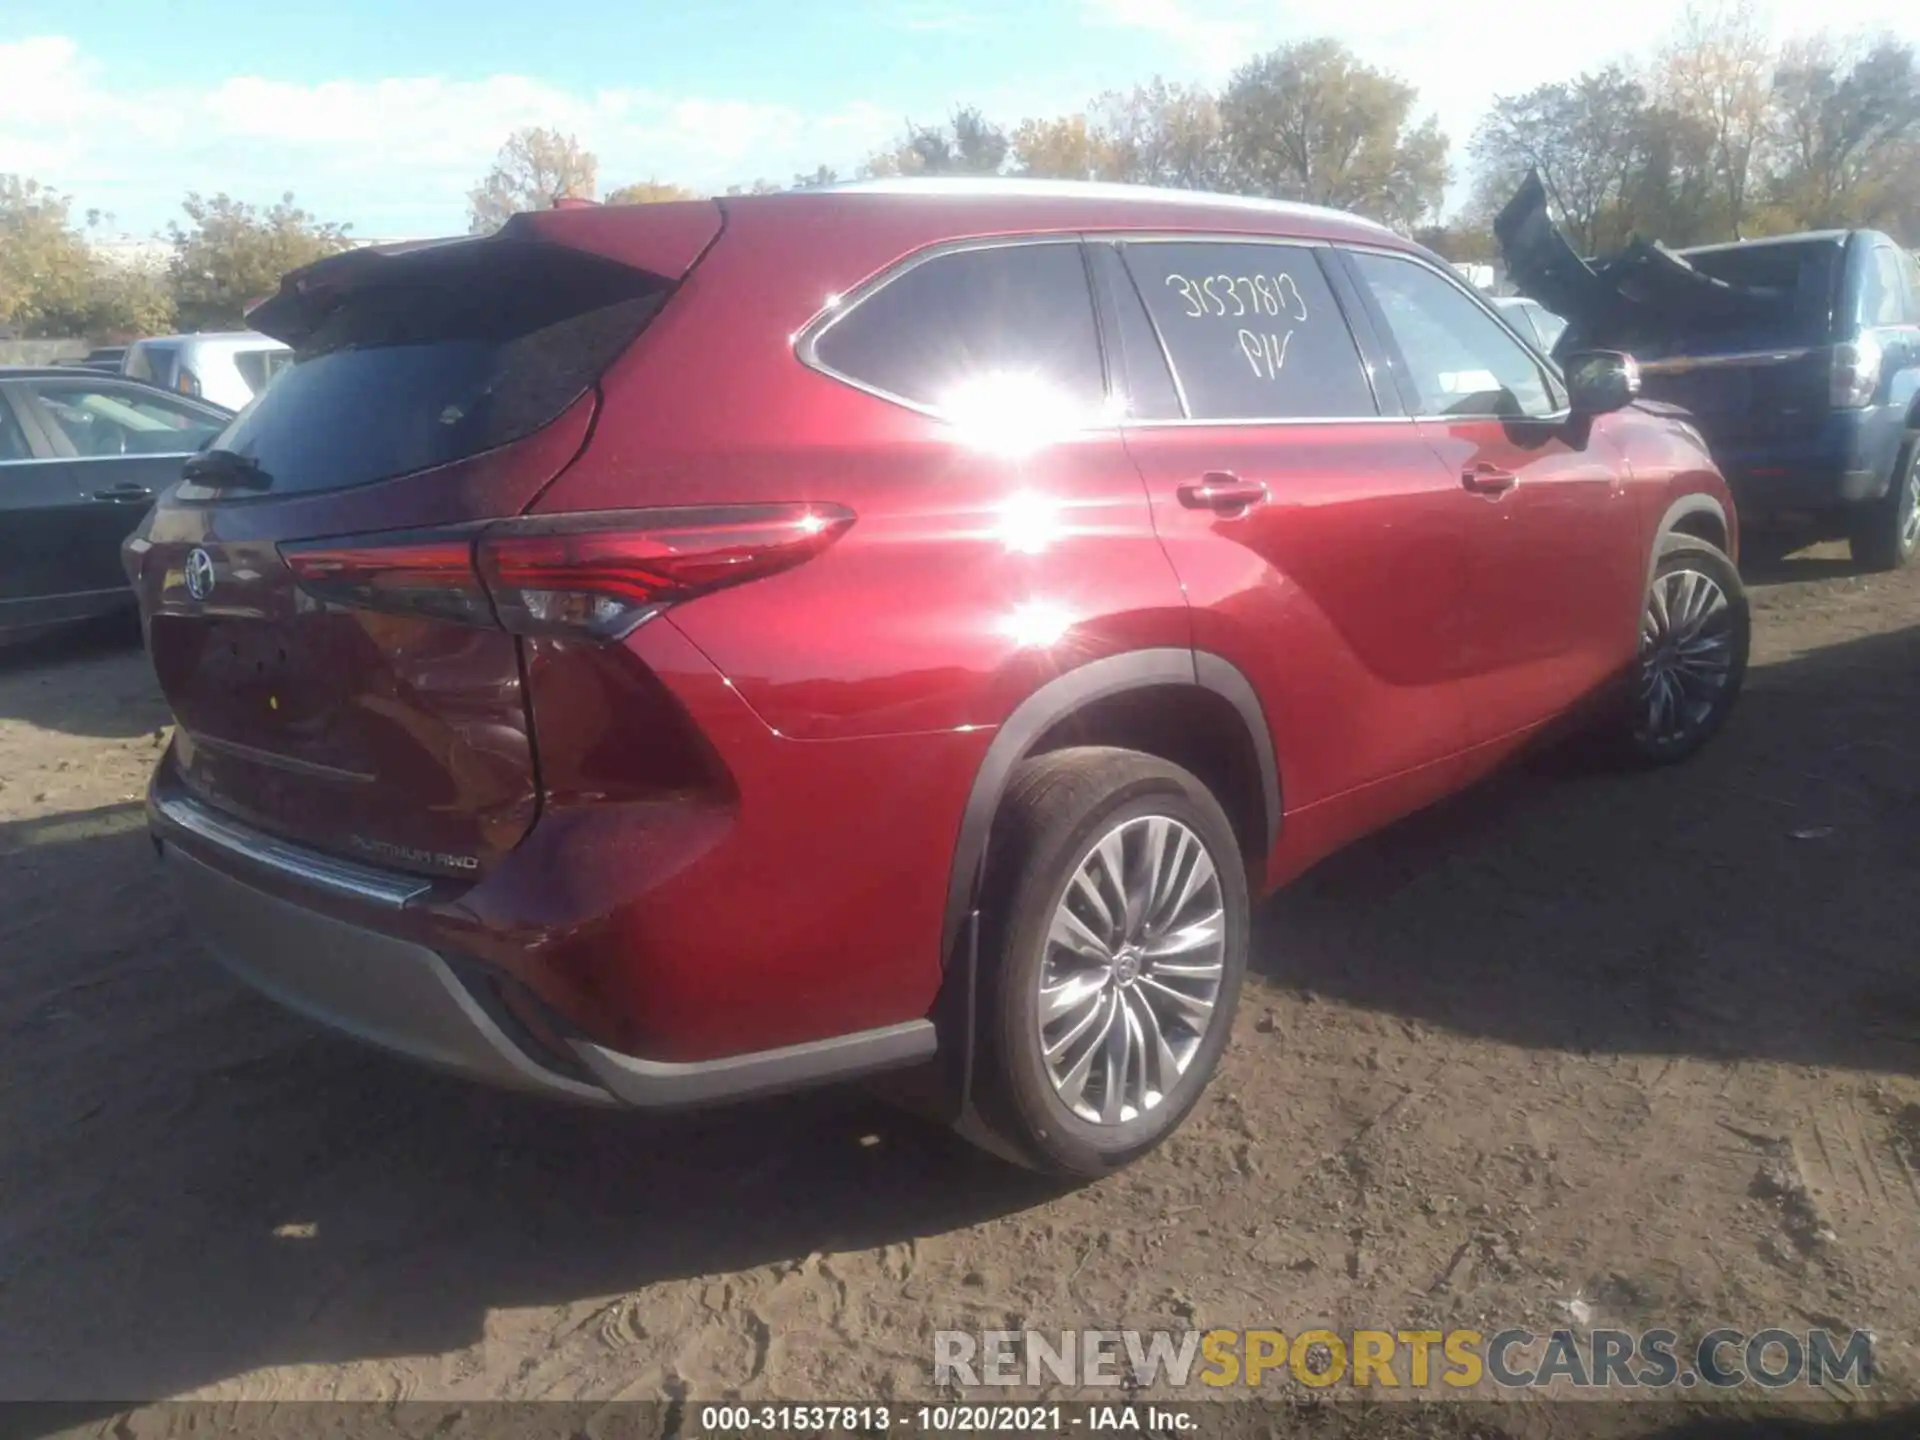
152, 363
1884, 299
974, 322
1253, 331
452, 352
256, 367
103, 417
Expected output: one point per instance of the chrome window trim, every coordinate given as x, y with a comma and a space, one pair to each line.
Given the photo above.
843, 305
1019, 187
1262, 423
181, 455
296, 862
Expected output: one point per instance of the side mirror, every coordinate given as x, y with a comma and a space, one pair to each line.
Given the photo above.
1601, 381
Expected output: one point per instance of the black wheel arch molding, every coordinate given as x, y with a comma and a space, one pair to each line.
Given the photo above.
1059, 699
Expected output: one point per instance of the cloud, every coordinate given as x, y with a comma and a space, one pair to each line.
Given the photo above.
393, 155
1216, 37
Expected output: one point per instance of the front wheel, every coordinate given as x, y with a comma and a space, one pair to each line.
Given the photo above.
1694, 635
1116, 930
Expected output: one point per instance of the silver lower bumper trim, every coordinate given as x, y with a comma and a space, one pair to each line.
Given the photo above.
405, 997
390, 992
296, 862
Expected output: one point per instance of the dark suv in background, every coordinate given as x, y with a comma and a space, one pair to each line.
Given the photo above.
1797, 356
664, 653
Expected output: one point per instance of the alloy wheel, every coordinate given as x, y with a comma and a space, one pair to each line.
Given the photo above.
1686, 655
1131, 979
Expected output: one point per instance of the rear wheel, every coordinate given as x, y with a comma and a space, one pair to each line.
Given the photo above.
1885, 534
1116, 932
1694, 636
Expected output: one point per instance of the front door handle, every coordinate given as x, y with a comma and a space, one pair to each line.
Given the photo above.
1222, 492
124, 492
1485, 479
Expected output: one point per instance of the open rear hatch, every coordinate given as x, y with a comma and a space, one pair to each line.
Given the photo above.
1742, 335
336, 680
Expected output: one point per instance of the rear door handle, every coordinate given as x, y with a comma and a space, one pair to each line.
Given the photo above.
124, 492
1222, 492
1484, 479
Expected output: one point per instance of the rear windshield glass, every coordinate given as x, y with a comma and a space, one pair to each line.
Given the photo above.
1799, 280
453, 352
151, 362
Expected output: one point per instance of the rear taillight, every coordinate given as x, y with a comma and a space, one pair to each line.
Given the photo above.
1856, 372
187, 383
597, 574
416, 574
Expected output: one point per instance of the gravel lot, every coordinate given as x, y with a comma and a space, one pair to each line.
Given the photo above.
1647, 1046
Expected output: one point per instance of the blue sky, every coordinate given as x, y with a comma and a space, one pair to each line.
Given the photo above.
382, 113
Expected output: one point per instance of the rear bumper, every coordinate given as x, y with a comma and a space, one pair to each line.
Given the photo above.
411, 999
1848, 461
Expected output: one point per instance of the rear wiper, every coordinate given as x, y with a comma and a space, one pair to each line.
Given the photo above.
223, 469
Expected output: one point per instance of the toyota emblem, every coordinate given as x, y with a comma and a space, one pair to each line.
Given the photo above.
199, 574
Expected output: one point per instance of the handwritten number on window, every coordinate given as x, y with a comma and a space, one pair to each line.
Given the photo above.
1277, 297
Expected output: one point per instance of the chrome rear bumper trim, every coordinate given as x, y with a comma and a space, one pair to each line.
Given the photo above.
295, 862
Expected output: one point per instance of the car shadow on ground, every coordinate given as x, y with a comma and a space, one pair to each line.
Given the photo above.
122, 703
1759, 902
193, 1185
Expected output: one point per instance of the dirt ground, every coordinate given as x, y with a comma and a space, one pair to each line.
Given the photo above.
1640, 1049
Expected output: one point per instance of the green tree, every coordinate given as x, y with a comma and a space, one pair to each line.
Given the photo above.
534, 168
232, 254
968, 144
1842, 124
1310, 122
1064, 148
45, 267
52, 283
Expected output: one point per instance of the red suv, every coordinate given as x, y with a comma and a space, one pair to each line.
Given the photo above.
658, 654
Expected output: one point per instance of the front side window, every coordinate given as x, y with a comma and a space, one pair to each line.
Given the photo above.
1458, 359
1253, 330
999, 324
107, 419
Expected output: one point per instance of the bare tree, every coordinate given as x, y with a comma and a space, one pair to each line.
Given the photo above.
1583, 136
533, 169
1717, 70
1843, 120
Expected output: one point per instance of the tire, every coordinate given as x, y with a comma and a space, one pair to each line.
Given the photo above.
1885, 534
1061, 811
1693, 655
